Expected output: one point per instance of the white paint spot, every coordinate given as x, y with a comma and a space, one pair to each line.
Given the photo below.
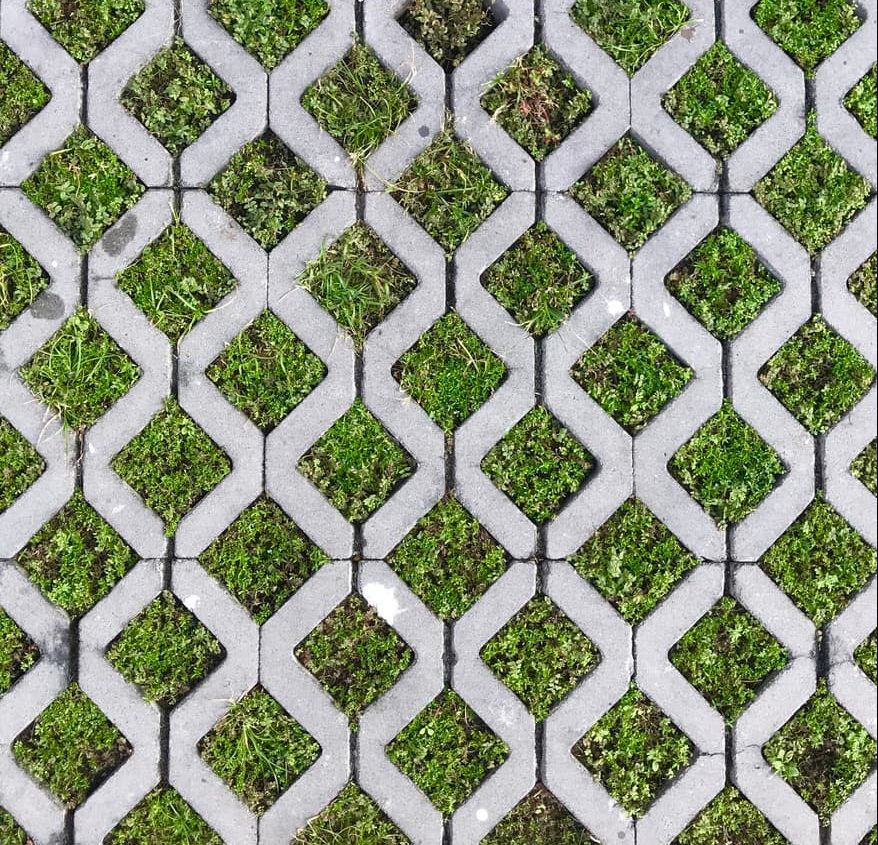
666, 308
384, 600
54, 264
481, 815
192, 602
91, 448
118, 508
614, 307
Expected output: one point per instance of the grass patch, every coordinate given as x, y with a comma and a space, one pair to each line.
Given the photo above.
449, 559
71, 747
862, 101
730, 819
76, 558
630, 193
10, 832
266, 371
163, 818
447, 751
817, 375
358, 280
18, 652
449, 372
537, 102
866, 657
172, 464
20, 464
353, 817
862, 284
23, 93
449, 30
22, 279
538, 464
820, 562
727, 467
539, 818
539, 280
865, 468
630, 373
258, 750
723, 284
356, 464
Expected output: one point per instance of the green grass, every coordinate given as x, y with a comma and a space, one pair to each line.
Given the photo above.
76, 558
10, 832
80, 372
630, 30
866, 657
449, 560
449, 30
176, 97
360, 103
634, 750
262, 558
539, 280
447, 751
163, 818
727, 656
266, 371
541, 655
633, 560
720, 101
269, 29
727, 467
267, 189
258, 749
822, 752
630, 193
538, 464
22, 279
448, 190
18, 652
808, 30
358, 280
730, 819
817, 375
351, 819
812, 191
165, 651
355, 654
20, 464
449, 372
172, 464
723, 284
71, 747
820, 562
83, 187
862, 284
630, 373
865, 467
862, 100
537, 102
539, 818
356, 464
85, 27
23, 93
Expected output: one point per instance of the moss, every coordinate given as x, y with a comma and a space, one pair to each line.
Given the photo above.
449, 30
18, 652
630, 193
862, 284
817, 375
449, 372
21, 278
10, 832
356, 464
862, 100
352, 817
538, 464
865, 467
20, 464
730, 819
540, 818
76, 558
866, 657
727, 467
23, 93
630, 373
163, 818
81, 372
633, 560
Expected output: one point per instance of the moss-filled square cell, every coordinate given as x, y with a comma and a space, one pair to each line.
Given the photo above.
539, 819
866, 656
863, 284
23, 93
862, 101
22, 279
163, 818
20, 464
353, 817
18, 652
730, 819
449, 30
865, 467
10, 831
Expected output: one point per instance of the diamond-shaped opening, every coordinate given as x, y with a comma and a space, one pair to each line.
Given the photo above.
817, 375
633, 560
630, 193
10, 832
822, 752
541, 655
862, 101
537, 102
541, 819
163, 818
630, 373
447, 751
172, 464
22, 279
76, 558
449, 560
449, 372
165, 651
723, 284
863, 284
20, 464
24, 95
539, 280
634, 750
866, 656
820, 562
865, 467
358, 280
449, 30
727, 467
267, 189
176, 97
18, 652
356, 464
355, 654
83, 187
730, 819
258, 749
81, 372
448, 190
728, 656
539, 464
72, 747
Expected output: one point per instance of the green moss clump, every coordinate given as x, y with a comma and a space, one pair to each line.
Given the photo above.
449, 30
20, 464
18, 652
352, 817
163, 818
22, 279
23, 93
